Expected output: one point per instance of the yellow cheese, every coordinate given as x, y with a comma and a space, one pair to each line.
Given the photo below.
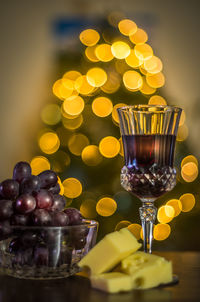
110, 251
112, 282
147, 270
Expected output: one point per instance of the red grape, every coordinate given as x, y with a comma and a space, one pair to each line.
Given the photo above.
9, 189
59, 219
44, 199
30, 184
58, 203
21, 170
41, 255
48, 179
5, 229
6, 209
41, 217
74, 215
55, 189
25, 204
19, 219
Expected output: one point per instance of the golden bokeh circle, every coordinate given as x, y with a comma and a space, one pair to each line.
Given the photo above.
161, 231
39, 164
153, 65
122, 224
88, 208
51, 114
49, 142
188, 159
156, 80
157, 100
77, 143
177, 206
140, 37
73, 124
132, 60
91, 155
112, 84
132, 79
72, 75
82, 86
143, 51
109, 146
90, 53
102, 106
146, 89
165, 214
188, 202
120, 50
72, 187
115, 116
182, 118
189, 172
96, 77
89, 37
66, 88
182, 133
127, 27
135, 229
106, 206
103, 52
73, 105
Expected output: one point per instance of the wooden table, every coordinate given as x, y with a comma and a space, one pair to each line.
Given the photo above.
77, 289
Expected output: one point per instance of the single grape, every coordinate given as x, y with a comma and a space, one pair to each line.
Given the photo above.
30, 184
5, 229
6, 209
41, 217
48, 179
55, 189
59, 219
9, 189
19, 219
74, 215
29, 239
41, 255
15, 245
23, 257
25, 204
44, 199
58, 203
21, 170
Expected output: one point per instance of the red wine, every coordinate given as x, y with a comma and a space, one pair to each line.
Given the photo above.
148, 171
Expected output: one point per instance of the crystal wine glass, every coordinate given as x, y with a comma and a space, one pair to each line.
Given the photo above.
149, 136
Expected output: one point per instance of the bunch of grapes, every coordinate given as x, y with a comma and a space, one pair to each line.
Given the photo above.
28, 201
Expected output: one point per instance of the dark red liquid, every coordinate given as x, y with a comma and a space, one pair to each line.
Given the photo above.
149, 162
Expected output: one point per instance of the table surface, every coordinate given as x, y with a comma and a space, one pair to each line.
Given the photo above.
77, 289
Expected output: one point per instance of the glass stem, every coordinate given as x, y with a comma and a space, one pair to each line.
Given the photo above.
147, 215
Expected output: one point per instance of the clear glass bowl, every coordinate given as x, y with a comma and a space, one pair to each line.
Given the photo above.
46, 252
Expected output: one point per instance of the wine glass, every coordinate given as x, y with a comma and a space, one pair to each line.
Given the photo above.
149, 136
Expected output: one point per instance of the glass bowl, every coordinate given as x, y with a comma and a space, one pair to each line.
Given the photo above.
46, 252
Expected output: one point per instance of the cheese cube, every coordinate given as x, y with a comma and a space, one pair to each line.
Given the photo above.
112, 282
110, 251
147, 270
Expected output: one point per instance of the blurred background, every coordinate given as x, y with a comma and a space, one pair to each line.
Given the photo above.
40, 42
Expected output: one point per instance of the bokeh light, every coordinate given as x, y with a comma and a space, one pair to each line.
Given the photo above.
103, 52
109, 146
90, 53
165, 214
73, 124
115, 116
153, 65
88, 208
135, 229
72, 75
73, 105
49, 142
102, 106
146, 89
127, 27
161, 231
51, 114
96, 77
177, 206
61, 186
121, 151
182, 133
106, 206
122, 224
140, 37
132, 60
39, 164
157, 100
72, 187
59, 161
66, 88
156, 81
188, 202
112, 84
143, 51
89, 37
132, 79
91, 155
188, 159
120, 50
77, 143
114, 17
82, 86
189, 172
182, 119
